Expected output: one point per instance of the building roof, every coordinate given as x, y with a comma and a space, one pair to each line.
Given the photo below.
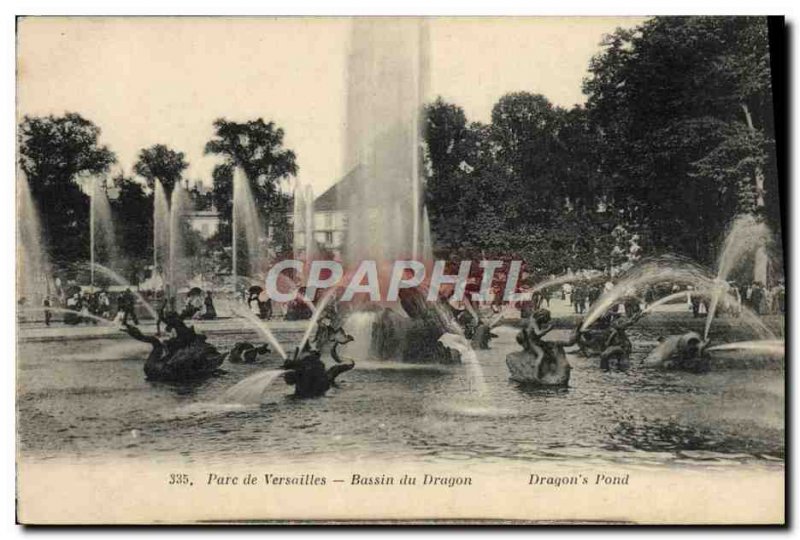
330, 200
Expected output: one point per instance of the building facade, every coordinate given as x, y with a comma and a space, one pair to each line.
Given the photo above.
329, 221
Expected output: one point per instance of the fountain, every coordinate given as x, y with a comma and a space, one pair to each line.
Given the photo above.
386, 88
298, 222
250, 390
747, 235
246, 220
33, 267
459, 343
774, 347
262, 328
427, 242
360, 325
759, 354
108, 272
178, 274
566, 278
303, 218
309, 224
387, 85
650, 272
102, 239
161, 222
317, 312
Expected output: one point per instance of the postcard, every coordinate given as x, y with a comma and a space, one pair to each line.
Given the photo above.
440, 270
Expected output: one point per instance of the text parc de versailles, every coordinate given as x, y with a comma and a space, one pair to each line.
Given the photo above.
311, 479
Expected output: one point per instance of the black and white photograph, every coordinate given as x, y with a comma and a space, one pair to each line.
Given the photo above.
421, 270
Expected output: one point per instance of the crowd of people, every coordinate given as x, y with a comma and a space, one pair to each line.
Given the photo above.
763, 300
755, 296
580, 296
86, 306
90, 306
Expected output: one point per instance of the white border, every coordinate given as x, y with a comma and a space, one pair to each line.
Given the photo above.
9, 9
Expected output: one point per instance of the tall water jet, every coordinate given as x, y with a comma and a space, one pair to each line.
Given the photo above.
298, 221
387, 72
178, 210
747, 235
303, 212
102, 234
386, 88
161, 221
247, 223
427, 243
309, 223
102, 241
33, 266
91, 234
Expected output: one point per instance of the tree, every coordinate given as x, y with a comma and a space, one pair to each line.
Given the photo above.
451, 154
523, 186
160, 161
446, 136
54, 151
525, 129
257, 148
682, 109
133, 213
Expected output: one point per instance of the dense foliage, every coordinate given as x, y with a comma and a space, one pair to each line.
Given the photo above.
257, 148
675, 139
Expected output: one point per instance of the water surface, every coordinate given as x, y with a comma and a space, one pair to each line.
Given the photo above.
89, 398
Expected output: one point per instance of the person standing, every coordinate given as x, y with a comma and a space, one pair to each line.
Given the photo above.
568, 293
780, 298
105, 305
128, 305
210, 312
47, 313
583, 299
163, 307
576, 299
737, 299
694, 298
757, 298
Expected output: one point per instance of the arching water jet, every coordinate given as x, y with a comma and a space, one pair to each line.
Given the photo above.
662, 269
747, 235
122, 281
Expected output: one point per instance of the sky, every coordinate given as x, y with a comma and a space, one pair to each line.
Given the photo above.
146, 80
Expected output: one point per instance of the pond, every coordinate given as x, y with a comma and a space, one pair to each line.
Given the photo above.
88, 398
